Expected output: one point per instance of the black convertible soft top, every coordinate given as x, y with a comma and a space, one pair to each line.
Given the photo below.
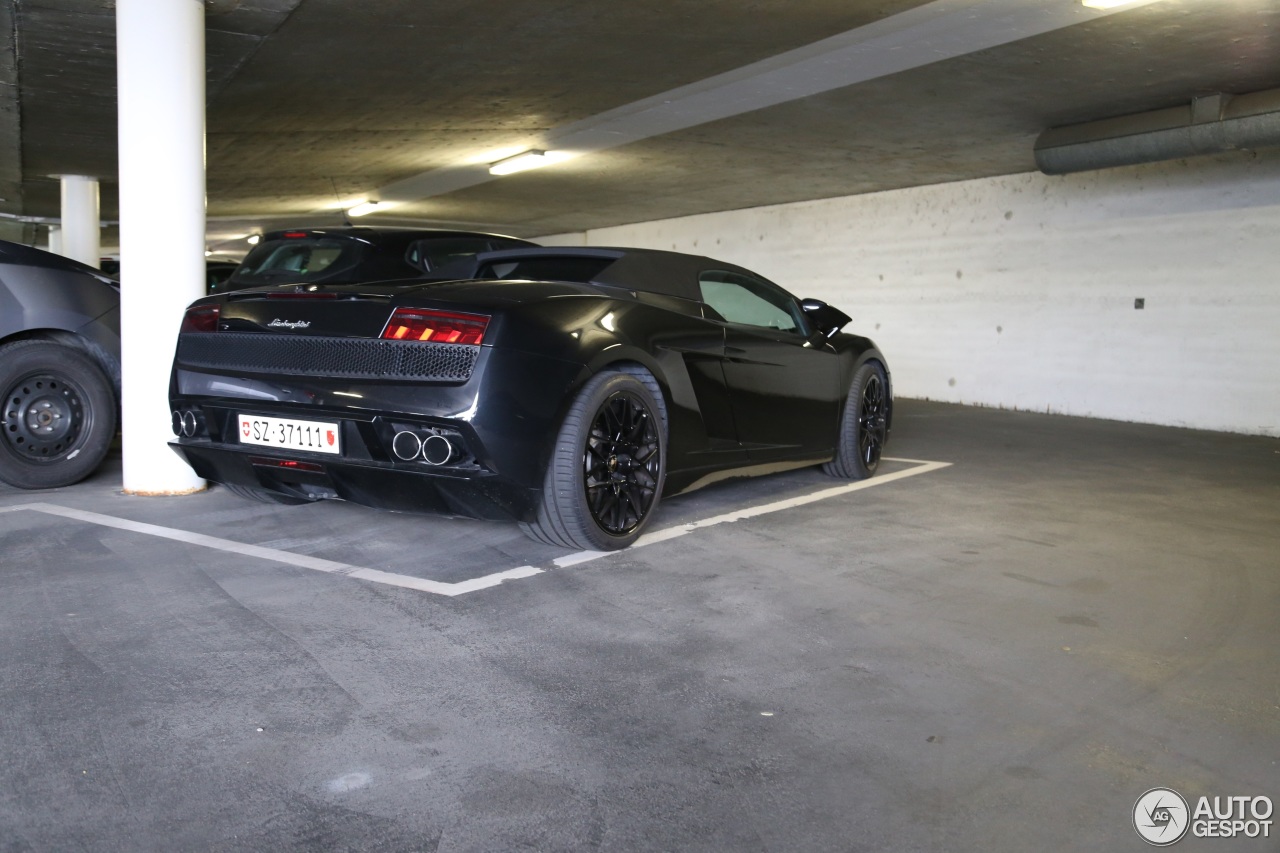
648, 270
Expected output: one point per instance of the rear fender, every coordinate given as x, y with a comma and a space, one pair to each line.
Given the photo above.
603, 360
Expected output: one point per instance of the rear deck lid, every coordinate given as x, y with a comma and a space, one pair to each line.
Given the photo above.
311, 310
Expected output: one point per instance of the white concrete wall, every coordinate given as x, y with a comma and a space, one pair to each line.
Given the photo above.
1019, 291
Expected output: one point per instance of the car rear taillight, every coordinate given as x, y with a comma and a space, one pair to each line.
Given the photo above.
438, 327
201, 318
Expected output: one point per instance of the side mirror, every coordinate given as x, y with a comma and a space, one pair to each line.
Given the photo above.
828, 320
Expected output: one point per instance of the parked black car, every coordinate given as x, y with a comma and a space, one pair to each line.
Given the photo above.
352, 254
216, 272
59, 367
568, 389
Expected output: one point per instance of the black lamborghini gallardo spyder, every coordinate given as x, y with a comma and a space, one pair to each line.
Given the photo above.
566, 389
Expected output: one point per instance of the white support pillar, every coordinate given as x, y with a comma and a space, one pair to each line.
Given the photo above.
55, 239
81, 233
160, 76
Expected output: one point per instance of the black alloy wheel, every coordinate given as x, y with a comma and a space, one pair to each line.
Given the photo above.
872, 419
604, 479
622, 464
58, 414
864, 425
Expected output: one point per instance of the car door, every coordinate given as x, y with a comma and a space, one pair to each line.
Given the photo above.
782, 377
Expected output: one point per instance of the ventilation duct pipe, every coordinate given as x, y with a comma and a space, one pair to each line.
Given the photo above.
1207, 125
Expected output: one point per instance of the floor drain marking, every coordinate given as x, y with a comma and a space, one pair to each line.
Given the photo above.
461, 587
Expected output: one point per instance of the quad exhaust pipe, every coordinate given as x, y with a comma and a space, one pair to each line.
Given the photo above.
437, 450
434, 449
185, 423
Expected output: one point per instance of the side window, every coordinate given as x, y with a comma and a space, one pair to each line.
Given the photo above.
751, 302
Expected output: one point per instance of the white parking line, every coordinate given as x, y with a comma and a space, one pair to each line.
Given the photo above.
287, 557
462, 587
922, 467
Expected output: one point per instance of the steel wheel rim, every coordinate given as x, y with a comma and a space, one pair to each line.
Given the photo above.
44, 417
871, 421
621, 464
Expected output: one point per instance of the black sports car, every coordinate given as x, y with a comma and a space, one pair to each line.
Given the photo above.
217, 272
360, 253
567, 389
59, 367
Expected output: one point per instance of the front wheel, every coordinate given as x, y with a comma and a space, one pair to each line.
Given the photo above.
58, 415
864, 426
604, 481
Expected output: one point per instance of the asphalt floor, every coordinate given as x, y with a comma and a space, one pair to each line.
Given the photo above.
998, 654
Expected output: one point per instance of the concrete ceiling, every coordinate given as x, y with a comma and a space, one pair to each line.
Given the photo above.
315, 104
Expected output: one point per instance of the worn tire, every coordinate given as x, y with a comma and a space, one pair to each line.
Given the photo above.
863, 425
263, 495
602, 487
58, 417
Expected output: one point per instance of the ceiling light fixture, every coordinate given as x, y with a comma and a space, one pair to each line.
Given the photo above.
528, 160
253, 239
1106, 4
366, 208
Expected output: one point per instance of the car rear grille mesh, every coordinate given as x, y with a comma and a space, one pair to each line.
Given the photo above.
355, 358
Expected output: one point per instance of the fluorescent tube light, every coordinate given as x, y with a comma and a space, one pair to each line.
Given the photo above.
527, 160
367, 207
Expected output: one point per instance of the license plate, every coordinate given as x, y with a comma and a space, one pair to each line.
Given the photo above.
315, 436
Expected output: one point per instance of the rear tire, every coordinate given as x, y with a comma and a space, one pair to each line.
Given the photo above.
604, 481
863, 426
58, 414
263, 495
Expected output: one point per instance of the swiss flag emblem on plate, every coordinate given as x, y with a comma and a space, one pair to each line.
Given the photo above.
330, 436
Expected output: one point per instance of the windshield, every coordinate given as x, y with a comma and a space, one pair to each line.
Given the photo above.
298, 260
